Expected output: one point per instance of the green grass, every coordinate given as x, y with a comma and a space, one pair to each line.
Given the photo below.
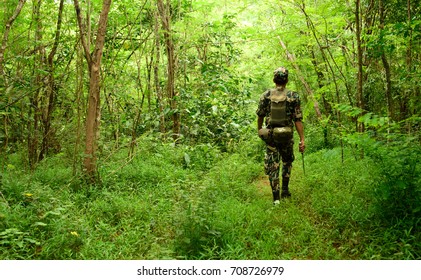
199, 203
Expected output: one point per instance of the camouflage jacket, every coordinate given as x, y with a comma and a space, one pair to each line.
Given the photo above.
293, 107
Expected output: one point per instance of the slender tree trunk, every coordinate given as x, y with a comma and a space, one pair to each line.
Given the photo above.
51, 89
329, 67
94, 104
409, 64
386, 66
410, 42
160, 99
303, 81
413, 54
320, 82
164, 11
34, 114
141, 96
79, 106
359, 95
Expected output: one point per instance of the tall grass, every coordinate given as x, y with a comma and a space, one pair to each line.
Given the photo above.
196, 202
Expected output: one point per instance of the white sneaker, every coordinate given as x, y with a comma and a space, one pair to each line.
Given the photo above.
276, 202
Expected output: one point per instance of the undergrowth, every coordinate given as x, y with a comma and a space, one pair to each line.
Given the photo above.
197, 202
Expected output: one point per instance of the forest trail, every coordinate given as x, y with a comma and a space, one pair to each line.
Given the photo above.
306, 234
297, 183
263, 186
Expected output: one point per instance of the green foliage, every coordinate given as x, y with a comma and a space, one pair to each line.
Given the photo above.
204, 197
367, 204
217, 109
17, 243
321, 136
396, 196
399, 195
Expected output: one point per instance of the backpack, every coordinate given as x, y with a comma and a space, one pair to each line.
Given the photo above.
281, 130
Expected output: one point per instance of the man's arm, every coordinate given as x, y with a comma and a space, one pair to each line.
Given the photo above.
300, 129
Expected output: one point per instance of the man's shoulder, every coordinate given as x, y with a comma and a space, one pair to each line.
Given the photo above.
293, 95
265, 95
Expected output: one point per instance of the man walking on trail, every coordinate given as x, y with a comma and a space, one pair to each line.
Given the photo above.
280, 110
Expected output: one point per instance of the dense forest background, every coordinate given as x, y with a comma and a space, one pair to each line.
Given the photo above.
128, 129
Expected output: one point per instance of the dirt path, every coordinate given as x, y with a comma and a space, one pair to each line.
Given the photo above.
307, 235
297, 182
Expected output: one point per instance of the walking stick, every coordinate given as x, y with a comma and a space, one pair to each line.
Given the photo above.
304, 170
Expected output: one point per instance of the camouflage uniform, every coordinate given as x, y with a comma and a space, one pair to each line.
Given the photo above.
275, 152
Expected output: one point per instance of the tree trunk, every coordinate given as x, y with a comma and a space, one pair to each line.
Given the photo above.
94, 104
303, 81
409, 65
359, 95
329, 67
34, 114
386, 66
160, 99
410, 42
51, 90
164, 12
79, 106
320, 82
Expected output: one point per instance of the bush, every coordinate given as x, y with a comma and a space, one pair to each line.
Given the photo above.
374, 200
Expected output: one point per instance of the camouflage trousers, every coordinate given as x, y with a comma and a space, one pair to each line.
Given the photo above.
273, 158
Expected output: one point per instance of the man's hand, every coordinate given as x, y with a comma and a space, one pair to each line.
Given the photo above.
302, 146
300, 129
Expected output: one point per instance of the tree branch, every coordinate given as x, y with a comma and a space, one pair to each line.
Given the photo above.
57, 36
6, 32
82, 31
102, 26
303, 81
